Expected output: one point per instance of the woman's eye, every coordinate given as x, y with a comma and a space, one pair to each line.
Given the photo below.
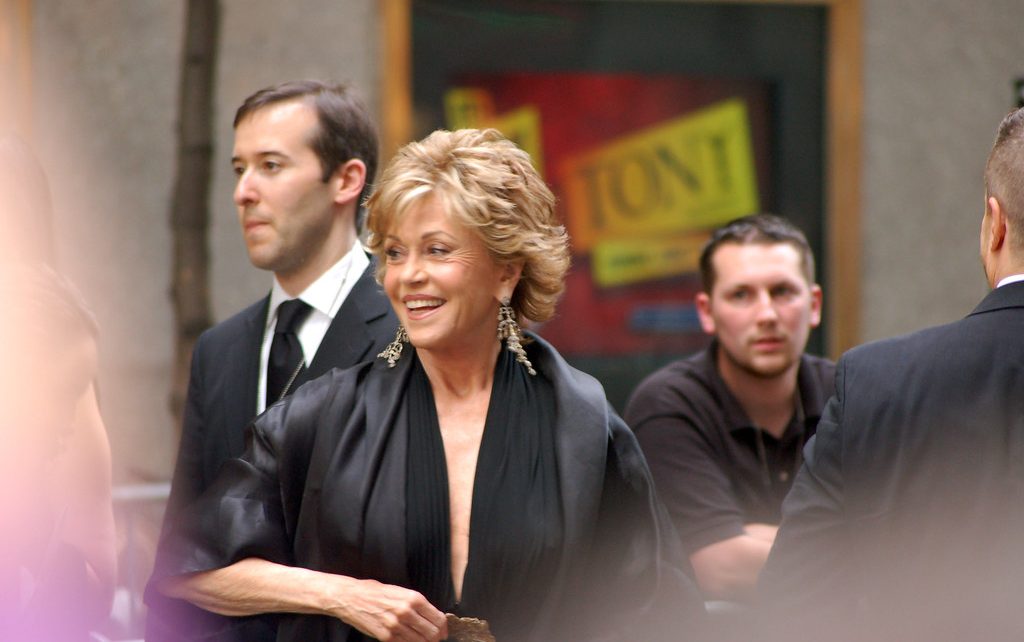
437, 250
392, 254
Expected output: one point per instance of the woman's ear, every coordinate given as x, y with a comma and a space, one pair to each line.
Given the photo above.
509, 279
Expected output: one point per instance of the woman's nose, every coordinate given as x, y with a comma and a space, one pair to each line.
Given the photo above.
412, 269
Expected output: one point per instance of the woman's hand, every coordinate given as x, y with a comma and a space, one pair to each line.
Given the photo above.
387, 612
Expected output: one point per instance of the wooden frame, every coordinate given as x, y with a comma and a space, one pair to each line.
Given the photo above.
844, 107
16, 66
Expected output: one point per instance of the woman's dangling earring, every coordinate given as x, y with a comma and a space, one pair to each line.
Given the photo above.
394, 349
509, 330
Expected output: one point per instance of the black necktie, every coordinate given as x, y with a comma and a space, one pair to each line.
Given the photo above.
285, 351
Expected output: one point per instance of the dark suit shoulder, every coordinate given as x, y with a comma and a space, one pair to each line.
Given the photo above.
235, 325
999, 314
914, 348
368, 302
964, 374
821, 368
368, 296
816, 379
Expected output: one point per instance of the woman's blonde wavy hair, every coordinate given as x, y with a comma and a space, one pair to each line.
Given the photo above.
489, 185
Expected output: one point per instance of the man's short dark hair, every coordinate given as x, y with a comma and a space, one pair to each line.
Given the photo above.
346, 130
759, 229
1004, 171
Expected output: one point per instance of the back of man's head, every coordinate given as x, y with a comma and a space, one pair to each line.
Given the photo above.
1004, 173
346, 130
761, 229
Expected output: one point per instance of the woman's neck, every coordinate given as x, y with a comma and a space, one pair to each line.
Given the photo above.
458, 375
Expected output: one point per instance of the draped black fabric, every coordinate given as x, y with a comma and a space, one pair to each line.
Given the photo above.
515, 524
324, 485
427, 525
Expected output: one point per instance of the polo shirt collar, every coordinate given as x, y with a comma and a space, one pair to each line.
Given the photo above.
811, 398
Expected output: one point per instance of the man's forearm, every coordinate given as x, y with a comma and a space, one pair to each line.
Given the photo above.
728, 570
765, 532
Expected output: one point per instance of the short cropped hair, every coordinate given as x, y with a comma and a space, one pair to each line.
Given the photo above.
1004, 172
759, 229
489, 185
346, 130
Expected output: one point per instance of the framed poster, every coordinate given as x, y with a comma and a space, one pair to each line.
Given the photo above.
653, 122
643, 166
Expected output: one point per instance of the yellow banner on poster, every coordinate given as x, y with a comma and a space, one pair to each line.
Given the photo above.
522, 127
469, 107
689, 173
624, 261
466, 107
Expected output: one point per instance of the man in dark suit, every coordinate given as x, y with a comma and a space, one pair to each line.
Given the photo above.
304, 155
907, 520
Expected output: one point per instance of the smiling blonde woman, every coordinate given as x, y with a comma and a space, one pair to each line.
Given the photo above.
470, 470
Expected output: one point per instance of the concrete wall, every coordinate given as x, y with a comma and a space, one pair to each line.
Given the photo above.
106, 86
264, 43
937, 79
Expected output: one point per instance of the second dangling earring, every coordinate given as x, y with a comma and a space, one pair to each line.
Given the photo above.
509, 330
393, 351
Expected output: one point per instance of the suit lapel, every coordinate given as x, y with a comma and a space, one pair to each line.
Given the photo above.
1008, 296
348, 341
243, 378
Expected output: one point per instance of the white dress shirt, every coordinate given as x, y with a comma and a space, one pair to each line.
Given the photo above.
325, 296
1013, 278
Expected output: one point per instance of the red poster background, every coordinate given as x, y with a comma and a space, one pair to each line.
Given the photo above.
581, 111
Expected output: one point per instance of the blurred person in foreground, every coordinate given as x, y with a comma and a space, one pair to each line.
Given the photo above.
56, 546
58, 555
905, 521
468, 471
723, 429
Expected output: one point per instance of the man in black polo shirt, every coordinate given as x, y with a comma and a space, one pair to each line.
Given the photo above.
723, 430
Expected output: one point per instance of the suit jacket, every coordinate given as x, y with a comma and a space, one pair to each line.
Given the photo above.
905, 522
222, 402
322, 485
